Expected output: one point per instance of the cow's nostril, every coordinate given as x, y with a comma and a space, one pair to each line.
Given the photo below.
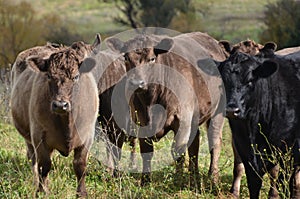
60, 106
65, 105
142, 84
232, 112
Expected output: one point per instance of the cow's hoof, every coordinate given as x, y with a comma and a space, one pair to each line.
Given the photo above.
82, 194
146, 179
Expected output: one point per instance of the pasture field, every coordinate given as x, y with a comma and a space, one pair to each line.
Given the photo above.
16, 178
234, 20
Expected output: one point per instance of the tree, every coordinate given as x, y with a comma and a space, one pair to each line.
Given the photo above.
179, 14
17, 30
21, 29
282, 20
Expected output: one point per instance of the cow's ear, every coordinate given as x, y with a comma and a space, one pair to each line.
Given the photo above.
269, 47
163, 46
266, 69
97, 43
87, 65
225, 45
115, 44
38, 64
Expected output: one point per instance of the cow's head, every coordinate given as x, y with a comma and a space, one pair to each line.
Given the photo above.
248, 46
240, 74
141, 51
63, 70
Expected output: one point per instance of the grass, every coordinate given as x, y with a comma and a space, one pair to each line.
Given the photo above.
16, 178
234, 20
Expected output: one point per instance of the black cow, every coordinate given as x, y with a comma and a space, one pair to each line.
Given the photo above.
263, 93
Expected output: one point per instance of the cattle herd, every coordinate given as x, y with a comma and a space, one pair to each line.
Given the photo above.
60, 94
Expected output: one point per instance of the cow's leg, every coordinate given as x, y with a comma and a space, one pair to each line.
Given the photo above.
118, 140
146, 148
32, 158
193, 151
295, 183
254, 182
43, 160
273, 192
214, 134
295, 180
79, 166
132, 144
238, 170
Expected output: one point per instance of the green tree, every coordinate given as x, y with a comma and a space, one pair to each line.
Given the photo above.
282, 20
182, 15
21, 28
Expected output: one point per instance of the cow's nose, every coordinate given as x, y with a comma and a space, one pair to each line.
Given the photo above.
60, 106
232, 111
138, 83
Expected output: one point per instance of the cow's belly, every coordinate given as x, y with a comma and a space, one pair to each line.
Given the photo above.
63, 144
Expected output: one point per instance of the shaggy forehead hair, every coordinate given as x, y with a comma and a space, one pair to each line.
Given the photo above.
66, 61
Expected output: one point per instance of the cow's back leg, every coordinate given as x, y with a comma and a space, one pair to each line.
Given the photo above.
117, 138
214, 134
238, 171
146, 149
273, 192
193, 151
132, 144
295, 180
79, 166
32, 158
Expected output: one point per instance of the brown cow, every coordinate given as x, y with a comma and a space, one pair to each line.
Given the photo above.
196, 102
54, 104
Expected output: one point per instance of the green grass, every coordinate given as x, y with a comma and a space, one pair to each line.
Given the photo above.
234, 20
16, 178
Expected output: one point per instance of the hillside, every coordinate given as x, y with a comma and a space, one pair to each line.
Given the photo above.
233, 20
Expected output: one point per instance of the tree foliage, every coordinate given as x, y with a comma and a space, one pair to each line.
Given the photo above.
181, 15
21, 29
282, 20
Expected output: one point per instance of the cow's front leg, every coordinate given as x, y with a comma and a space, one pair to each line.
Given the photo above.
79, 165
254, 181
43, 160
193, 151
146, 148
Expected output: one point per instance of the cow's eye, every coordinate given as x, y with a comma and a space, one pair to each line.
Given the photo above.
152, 60
250, 84
126, 59
48, 76
76, 78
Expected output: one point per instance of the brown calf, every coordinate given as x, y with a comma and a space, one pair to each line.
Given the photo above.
54, 104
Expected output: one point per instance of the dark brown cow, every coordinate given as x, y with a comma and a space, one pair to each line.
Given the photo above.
54, 104
184, 112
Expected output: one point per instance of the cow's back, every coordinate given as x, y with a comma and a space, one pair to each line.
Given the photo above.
20, 63
199, 50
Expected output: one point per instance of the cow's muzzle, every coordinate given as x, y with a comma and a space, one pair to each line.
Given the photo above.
139, 84
60, 107
233, 112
